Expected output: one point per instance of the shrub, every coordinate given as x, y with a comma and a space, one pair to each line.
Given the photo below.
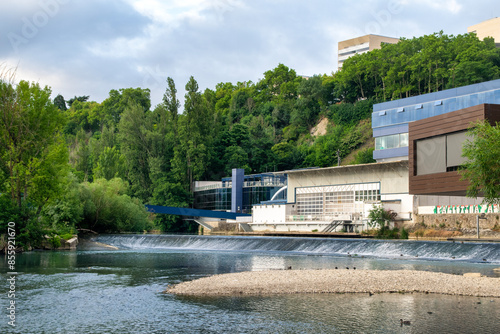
379, 217
106, 208
403, 234
55, 241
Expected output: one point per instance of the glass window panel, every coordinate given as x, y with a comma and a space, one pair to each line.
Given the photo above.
431, 155
379, 143
403, 139
454, 144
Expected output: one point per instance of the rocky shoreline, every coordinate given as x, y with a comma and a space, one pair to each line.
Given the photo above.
338, 281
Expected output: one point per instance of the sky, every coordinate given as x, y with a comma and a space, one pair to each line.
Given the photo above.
89, 47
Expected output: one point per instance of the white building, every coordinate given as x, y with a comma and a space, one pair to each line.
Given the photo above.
335, 198
360, 45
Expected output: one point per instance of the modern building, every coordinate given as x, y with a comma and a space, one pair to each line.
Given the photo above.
418, 151
435, 150
336, 198
488, 28
390, 120
239, 192
360, 45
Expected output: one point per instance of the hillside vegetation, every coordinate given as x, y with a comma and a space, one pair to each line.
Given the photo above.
77, 163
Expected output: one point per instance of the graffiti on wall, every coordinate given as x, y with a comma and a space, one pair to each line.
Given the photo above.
487, 208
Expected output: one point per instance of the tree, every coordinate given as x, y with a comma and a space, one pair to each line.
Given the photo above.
482, 168
107, 208
135, 146
171, 102
32, 150
191, 153
379, 217
172, 194
60, 103
415, 66
83, 98
119, 100
111, 164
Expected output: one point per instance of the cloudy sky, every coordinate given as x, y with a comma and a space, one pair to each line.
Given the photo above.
88, 47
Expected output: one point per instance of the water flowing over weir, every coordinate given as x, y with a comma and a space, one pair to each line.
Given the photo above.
431, 250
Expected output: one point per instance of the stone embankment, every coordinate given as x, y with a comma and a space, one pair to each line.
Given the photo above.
339, 281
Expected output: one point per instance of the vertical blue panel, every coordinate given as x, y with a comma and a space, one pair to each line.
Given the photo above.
237, 190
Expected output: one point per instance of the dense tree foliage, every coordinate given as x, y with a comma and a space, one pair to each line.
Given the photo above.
482, 168
417, 66
122, 152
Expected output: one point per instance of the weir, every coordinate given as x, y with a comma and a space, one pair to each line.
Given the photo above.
431, 250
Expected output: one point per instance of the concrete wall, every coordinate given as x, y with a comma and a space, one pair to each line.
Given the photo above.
489, 28
459, 220
393, 177
400, 203
269, 214
429, 200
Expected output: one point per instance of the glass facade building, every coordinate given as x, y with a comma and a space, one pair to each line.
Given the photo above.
390, 119
257, 188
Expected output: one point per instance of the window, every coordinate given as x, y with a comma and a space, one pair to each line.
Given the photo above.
328, 202
431, 155
371, 195
403, 139
391, 141
454, 144
440, 154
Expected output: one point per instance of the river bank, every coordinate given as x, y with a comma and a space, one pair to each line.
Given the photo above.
338, 281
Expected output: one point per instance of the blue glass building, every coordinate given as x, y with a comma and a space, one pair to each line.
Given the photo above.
390, 119
254, 189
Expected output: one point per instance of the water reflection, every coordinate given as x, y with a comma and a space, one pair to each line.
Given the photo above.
121, 292
360, 313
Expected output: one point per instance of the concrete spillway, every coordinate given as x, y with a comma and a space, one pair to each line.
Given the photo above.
432, 250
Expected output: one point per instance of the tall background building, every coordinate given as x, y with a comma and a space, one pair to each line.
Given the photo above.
359, 45
488, 28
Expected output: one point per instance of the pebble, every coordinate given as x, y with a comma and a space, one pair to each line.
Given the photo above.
339, 281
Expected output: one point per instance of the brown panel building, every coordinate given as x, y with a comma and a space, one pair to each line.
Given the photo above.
435, 146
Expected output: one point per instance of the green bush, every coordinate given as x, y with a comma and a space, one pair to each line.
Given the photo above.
107, 208
379, 217
364, 156
55, 241
66, 236
29, 231
403, 234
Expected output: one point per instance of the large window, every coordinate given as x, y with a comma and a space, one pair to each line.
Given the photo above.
431, 155
454, 144
328, 202
440, 154
370, 195
392, 141
310, 204
339, 202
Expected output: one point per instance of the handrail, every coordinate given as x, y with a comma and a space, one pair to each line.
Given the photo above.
246, 184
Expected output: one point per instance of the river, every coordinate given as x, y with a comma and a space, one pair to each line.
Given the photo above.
98, 290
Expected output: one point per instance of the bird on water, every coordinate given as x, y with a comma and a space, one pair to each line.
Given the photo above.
405, 322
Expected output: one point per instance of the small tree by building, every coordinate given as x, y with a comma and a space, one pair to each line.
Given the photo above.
482, 168
380, 218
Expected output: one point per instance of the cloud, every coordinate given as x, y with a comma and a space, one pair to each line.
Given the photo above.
90, 47
446, 6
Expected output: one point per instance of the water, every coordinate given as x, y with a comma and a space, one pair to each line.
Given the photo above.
107, 291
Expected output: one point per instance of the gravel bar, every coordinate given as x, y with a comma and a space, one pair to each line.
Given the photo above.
338, 281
